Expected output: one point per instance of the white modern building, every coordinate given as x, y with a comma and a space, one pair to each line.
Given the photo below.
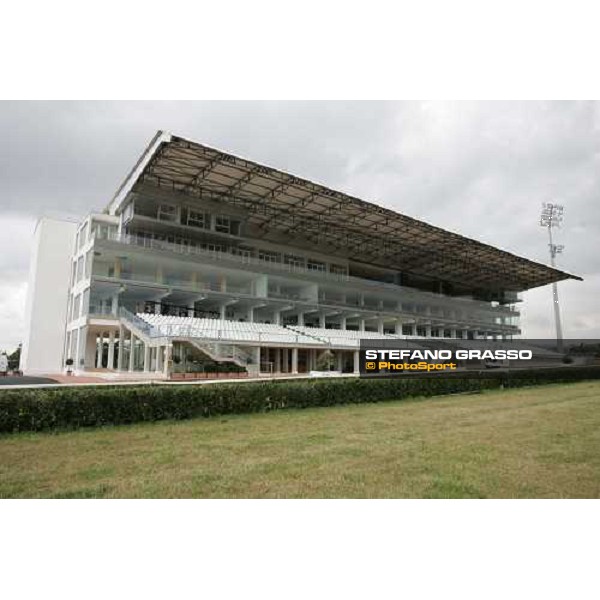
203, 259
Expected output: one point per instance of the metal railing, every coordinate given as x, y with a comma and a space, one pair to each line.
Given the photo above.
408, 294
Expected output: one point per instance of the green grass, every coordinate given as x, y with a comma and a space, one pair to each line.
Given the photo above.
541, 442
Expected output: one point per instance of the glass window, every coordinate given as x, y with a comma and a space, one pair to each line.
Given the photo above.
315, 265
267, 256
76, 306
198, 219
85, 302
225, 224
79, 268
88, 264
167, 212
294, 260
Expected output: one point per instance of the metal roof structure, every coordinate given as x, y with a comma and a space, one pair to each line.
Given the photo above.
295, 209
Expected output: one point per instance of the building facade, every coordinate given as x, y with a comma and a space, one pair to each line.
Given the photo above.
203, 258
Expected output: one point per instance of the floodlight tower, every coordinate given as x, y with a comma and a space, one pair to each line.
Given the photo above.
552, 216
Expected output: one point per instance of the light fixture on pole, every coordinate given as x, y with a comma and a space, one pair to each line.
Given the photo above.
552, 216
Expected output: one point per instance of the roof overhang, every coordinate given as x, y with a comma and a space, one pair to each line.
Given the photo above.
287, 207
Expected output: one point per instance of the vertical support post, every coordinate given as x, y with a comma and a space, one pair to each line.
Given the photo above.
121, 348
131, 350
356, 361
146, 358
294, 361
111, 350
99, 349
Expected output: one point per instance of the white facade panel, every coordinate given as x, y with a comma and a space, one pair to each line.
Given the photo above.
47, 295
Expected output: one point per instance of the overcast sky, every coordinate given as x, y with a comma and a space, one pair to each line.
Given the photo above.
480, 169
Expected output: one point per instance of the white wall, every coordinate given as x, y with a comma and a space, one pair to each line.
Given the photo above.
47, 293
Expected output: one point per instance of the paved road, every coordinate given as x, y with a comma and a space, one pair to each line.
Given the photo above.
14, 380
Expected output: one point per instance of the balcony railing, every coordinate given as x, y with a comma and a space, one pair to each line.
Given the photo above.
407, 293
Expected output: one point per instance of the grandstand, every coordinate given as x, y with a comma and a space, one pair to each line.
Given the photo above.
203, 257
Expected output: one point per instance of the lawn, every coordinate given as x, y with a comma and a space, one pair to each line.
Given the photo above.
541, 442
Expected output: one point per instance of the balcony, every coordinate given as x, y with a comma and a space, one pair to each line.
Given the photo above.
244, 261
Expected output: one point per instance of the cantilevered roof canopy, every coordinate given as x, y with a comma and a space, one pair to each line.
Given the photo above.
285, 205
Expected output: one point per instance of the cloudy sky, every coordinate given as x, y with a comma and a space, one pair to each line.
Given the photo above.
480, 169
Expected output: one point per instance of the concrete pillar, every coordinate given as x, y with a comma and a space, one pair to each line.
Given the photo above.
146, 358
322, 321
251, 315
356, 361
168, 360
131, 350
414, 329
114, 308
222, 311
294, 360
159, 359
121, 348
453, 333
256, 356
111, 350
398, 327
99, 348
340, 361
300, 318
380, 326
286, 360
428, 330
278, 360
277, 317
361, 324
343, 323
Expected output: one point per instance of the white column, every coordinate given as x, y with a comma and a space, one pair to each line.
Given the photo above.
340, 361
343, 323
168, 358
146, 358
322, 321
300, 318
428, 330
111, 350
251, 315
222, 311
159, 359
398, 327
356, 361
380, 326
99, 349
414, 329
361, 324
277, 359
121, 348
294, 360
131, 350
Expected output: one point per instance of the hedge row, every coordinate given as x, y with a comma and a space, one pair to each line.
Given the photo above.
73, 407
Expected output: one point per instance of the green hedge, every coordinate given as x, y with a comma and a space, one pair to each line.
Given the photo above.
73, 407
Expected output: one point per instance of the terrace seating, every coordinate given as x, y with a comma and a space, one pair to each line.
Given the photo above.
225, 330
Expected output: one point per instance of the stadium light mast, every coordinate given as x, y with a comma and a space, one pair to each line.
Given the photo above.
552, 216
